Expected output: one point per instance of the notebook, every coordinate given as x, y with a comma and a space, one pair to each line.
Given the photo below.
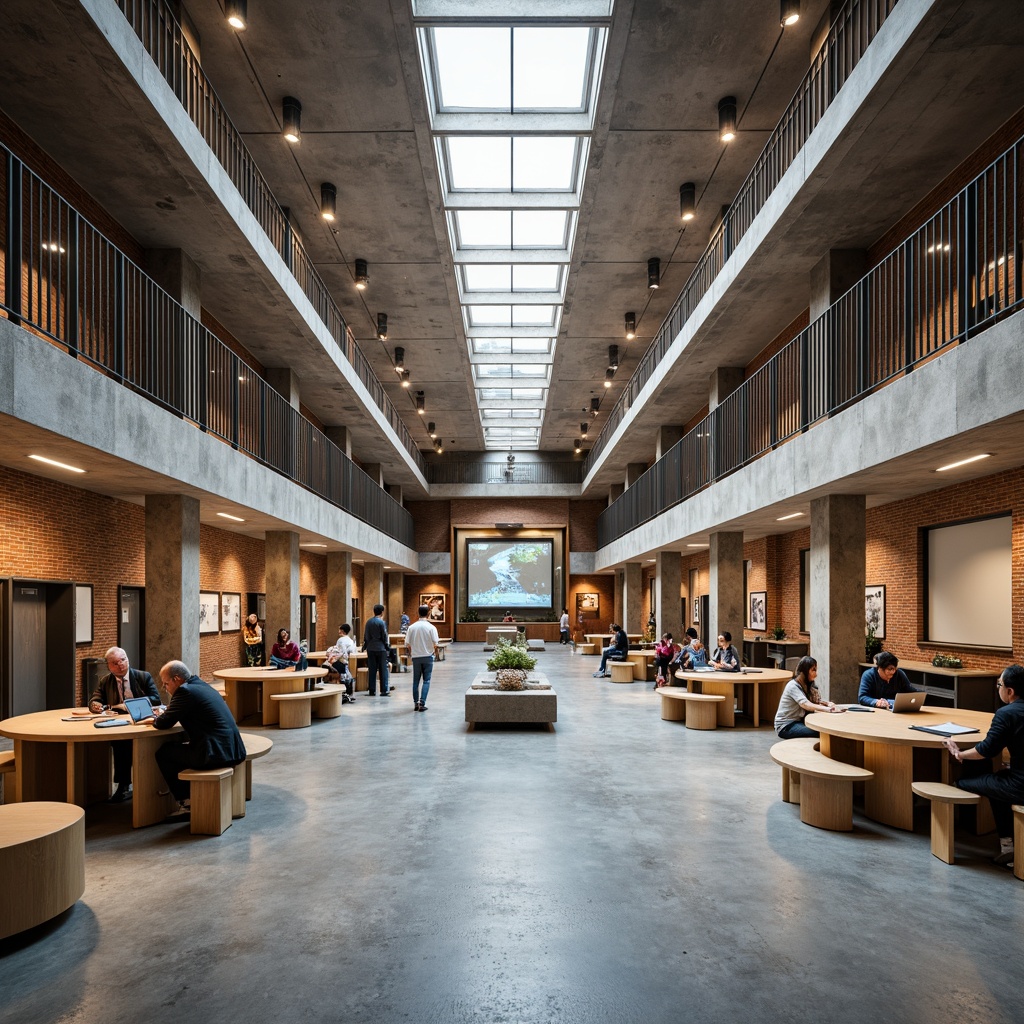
139, 709
909, 701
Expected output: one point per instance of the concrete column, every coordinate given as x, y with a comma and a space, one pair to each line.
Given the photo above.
667, 437
396, 601
395, 490
837, 592
634, 470
373, 588
722, 383
172, 581
835, 274
342, 437
618, 604
284, 381
615, 492
633, 598
281, 557
668, 586
339, 590
179, 275
375, 472
727, 597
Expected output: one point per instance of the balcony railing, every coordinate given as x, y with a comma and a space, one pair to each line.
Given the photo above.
854, 29
67, 282
154, 23
950, 280
533, 473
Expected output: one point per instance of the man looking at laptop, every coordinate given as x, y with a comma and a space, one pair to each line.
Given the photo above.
879, 685
122, 683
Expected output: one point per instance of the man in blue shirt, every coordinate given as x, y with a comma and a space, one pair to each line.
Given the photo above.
879, 685
618, 651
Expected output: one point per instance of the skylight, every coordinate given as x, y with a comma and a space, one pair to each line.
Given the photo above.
503, 163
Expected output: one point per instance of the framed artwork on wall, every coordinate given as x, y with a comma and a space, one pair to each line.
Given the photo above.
588, 606
759, 609
209, 611
83, 613
696, 610
435, 606
654, 604
230, 613
874, 609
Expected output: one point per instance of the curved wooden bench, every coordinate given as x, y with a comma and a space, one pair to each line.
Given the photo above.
697, 710
825, 786
42, 863
8, 776
296, 709
210, 796
256, 745
943, 799
586, 648
622, 671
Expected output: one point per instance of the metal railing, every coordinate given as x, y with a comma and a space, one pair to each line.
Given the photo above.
847, 41
67, 282
953, 278
154, 23
484, 472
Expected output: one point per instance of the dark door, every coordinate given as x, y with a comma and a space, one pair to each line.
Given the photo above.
28, 648
307, 621
704, 626
130, 631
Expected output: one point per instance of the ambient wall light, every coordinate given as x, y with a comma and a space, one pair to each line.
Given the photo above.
234, 519
964, 462
654, 273
789, 12
291, 119
328, 201
432, 430
613, 357
399, 357
421, 402
382, 327
630, 326
59, 465
727, 118
687, 201
362, 275
236, 13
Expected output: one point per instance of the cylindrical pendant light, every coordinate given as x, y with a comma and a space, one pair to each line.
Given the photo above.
362, 275
291, 119
630, 326
727, 118
653, 273
382, 326
328, 201
687, 201
789, 12
236, 13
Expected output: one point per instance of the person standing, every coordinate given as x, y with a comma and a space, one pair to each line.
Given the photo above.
122, 683
375, 643
252, 634
563, 627
422, 640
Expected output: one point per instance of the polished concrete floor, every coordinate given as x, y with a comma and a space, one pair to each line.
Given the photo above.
395, 867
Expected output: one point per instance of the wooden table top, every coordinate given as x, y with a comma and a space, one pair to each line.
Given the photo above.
887, 727
763, 675
47, 727
21, 823
262, 674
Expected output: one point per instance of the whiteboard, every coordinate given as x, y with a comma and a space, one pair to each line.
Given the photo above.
83, 613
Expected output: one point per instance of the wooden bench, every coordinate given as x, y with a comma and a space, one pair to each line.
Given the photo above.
622, 671
943, 800
697, 710
256, 745
210, 796
8, 776
296, 709
362, 679
586, 648
442, 647
823, 787
1018, 841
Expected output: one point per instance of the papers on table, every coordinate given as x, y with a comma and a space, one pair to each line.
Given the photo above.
945, 729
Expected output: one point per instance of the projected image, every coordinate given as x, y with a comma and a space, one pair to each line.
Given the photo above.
504, 574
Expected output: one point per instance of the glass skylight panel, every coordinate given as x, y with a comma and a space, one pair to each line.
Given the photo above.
510, 414
519, 277
536, 277
550, 68
544, 163
533, 316
492, 371
487, 277
473, 68
540, 229
486, 346
503, 395
489, 316
531, 346
479, 163
484, 229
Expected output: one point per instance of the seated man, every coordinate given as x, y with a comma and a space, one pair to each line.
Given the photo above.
1006, 787
618, 650
338, 659
725, 658
120, 684
879, 685
213, 738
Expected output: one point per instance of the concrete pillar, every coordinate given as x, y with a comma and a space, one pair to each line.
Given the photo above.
281, 557
615, 492
618, 604
395, 490
373, 588
179, 275
339, 591
172, 581
835, 274
284, 381
375, 472
837, 592
668, 586
634, 470
633, 598
396, 601
667, 437
342, 437
722, 383
727, 597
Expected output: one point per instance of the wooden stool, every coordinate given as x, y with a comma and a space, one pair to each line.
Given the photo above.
1018, 841
362, 679
211, 799
622, 671
8, 776
256, 745
943, 799
697, 710
586, 648
825, 787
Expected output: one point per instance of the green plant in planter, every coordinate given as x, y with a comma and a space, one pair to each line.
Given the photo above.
778, 633
471, 616
872, 645
510, 655
947, 661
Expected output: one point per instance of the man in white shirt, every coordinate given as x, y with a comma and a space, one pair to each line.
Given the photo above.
338, 659
422, 640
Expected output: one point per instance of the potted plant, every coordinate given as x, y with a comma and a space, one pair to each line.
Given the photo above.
510, 662
778, 632
872, 645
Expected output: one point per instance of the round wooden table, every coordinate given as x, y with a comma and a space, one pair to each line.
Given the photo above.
242, 698
885, 744
759, 691
70, 762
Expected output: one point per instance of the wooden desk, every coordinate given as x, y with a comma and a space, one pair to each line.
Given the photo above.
642, 661
70, 762
241, 696
884, 743
760, 692
599, 639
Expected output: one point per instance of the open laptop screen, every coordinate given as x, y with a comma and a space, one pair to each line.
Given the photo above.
139, 708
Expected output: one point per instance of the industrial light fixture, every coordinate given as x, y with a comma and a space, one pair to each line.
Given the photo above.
792, 515
963, 462
382, 326
399, 357
328, 201
630, 326
405, 379
291, 119
789, 12
578, 447
421, 402
687, 201
654, 273
362, 275
234, 519
312, 545
439, 447
727, 118
609, 376
584, 427
595, 406
235, 11
613, 357
59, 465
432, 430
696, 545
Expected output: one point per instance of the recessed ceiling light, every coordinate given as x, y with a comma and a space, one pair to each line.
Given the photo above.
696, 545
234, 519
59, 465
964, 462
312, 545
651, 559
792, 515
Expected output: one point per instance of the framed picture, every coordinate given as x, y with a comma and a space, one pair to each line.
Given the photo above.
696, 609
261, 607
588, 606
209, 611
654, 603
874, 610
759, 609
230, 613
435, 606
83, 613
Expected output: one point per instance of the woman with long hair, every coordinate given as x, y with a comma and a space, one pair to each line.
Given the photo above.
800, 698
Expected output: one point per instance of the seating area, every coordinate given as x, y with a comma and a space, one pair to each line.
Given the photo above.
296, 710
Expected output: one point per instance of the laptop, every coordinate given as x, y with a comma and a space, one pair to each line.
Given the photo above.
139, 709
909, 701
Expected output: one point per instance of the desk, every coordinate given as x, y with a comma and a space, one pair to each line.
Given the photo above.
70, 762
241, 697
760, 692
642, 661
885, 744
599, 639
